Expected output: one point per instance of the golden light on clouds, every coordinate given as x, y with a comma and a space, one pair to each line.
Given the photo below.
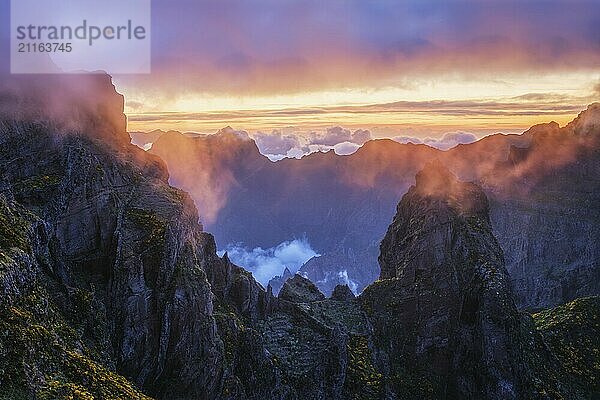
508, 103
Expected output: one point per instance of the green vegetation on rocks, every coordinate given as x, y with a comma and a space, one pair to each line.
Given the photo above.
43, 357
153, 225
13, 228
572, 333
363, 381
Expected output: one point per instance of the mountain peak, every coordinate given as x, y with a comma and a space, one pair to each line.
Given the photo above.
587, 122
443, 271
342, 293
229, 132
298, 289
435, 179
84, 105
436, 182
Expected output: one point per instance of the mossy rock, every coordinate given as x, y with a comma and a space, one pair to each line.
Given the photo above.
43, 357
13, 228
153, 226
363, 382
572, 333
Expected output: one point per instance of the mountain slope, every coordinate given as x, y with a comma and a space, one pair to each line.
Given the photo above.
443, 312
544, 181
43, 351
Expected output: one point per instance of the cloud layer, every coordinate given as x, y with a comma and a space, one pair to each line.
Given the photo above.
277, 145
448, 141
267, 263
267, 46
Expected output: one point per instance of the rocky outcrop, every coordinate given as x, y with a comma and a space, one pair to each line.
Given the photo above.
318, 345
276, 283
342, 293
298, 289
235, 286
47, 350
445, 305
126, 241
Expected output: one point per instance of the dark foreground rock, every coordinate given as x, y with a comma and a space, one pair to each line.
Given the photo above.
445, 309
342, 293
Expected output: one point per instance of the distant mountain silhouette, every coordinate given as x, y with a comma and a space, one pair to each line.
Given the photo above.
544, 181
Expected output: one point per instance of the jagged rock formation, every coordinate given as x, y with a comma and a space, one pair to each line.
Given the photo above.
44, 350
318, 344
298, 289
445, 307
235, 286
277, 282
128, 242
353, 268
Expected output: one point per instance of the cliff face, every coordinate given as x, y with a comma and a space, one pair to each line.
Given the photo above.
452, 316
549, 195
445, 323
128, 243
51, 347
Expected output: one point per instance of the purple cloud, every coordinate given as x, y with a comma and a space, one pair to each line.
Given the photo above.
276, 142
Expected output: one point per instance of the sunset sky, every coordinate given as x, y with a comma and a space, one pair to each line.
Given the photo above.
414, 68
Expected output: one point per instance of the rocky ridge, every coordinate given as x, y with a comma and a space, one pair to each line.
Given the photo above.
542, 184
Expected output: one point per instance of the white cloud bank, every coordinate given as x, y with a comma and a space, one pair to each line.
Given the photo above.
267, 263
446, 142
277, 144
